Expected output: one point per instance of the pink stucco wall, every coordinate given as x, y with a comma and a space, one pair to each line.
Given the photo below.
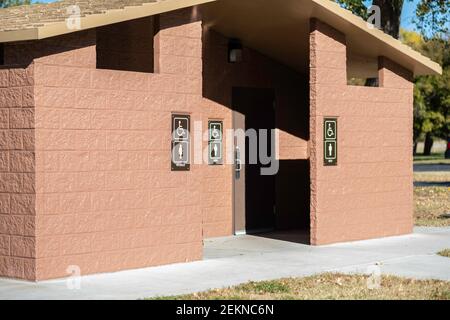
370, 193
106, 197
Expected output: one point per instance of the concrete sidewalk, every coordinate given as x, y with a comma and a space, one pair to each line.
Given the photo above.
234, 260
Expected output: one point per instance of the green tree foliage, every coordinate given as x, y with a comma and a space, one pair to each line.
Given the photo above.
431, 15
434, 15
356, 6
12, 3
431, 93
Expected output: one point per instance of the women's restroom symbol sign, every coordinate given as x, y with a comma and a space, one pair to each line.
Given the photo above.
330, 141
215, 142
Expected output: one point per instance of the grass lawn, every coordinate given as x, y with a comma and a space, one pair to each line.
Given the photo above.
328, 287
432, 203
439, 176
432, 206
445, 253
437, 158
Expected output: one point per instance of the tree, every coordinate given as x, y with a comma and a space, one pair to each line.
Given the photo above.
431, 14
431, 93
391, 12
12, 3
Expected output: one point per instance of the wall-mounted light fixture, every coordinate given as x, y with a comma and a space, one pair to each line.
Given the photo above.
235, 51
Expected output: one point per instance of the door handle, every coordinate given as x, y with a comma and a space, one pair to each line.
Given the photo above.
237, 162
238, 165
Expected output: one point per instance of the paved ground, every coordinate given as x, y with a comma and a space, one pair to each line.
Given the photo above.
230, 261
439, 168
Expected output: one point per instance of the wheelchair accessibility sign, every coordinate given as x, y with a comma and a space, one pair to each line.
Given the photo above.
330, 142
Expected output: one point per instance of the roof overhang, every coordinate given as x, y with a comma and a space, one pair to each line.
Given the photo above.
278, 29
47, 30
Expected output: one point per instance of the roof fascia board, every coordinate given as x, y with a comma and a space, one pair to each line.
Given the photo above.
19, 35
98, 20
429, 66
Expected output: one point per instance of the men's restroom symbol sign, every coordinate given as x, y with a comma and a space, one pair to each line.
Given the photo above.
180, 152
330, 147
216, 150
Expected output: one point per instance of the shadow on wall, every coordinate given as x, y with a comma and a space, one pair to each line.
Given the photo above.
293, 195
22, 54
256, 71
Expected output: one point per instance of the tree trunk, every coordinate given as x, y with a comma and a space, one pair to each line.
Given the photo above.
391, 12
428, 144
416, 144
447, 153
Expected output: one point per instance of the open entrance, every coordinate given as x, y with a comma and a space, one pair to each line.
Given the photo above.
254, 193
270, 205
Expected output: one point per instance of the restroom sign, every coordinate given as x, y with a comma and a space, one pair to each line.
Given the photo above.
330, 141
215, 145
180, 147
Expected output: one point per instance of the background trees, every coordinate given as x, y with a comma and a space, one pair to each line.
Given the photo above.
431, 93
431, 15
11, 3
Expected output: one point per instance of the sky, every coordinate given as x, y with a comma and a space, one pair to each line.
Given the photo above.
409, 9
407, 15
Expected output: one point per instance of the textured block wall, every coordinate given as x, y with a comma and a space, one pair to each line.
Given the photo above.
17, 164
126, 46
106, 197
370, 193
85, 156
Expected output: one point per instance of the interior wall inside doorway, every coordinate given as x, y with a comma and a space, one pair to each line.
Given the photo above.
292, 195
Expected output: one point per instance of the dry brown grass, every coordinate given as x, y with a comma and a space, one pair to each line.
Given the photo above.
439, 176
329, 287
445, 253
432, 206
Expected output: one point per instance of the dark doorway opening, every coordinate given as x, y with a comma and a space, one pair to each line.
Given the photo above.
255, 205
272, 206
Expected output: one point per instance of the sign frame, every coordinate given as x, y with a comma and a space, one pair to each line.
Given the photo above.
184, 120
215, 140
330, 138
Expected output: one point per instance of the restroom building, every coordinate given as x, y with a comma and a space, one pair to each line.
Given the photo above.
94, 175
